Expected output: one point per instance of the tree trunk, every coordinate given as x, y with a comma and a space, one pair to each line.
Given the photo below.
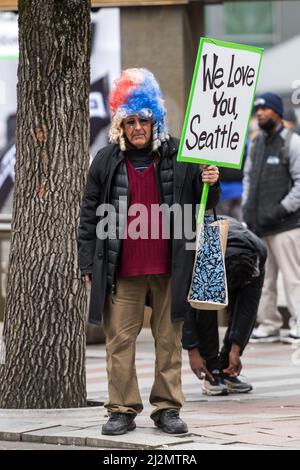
44, 325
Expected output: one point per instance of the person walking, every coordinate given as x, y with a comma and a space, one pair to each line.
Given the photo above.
271, 208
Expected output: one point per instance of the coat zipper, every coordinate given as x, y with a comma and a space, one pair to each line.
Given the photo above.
113, 287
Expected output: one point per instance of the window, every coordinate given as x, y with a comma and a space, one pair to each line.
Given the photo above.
254, 23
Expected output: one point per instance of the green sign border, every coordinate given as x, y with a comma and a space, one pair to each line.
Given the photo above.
231, 45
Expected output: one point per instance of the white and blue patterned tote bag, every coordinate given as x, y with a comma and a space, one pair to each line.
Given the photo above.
208, 289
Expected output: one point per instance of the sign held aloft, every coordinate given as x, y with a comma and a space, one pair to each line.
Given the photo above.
215, 132
220, 103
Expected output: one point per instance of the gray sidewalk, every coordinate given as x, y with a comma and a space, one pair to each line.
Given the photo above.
268, 418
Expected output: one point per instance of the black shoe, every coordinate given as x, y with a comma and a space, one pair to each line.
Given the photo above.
119, 423
169, 421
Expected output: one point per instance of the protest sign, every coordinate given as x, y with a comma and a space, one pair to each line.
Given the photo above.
220, 103
219, 106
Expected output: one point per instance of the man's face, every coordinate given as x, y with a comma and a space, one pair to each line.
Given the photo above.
267, 118
138, 130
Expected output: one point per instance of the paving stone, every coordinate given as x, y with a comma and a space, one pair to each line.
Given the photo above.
14, 432
63, 436
234, 429
290, 433
208, 446
94, 438
39, 436
87, 423
294, 444
264, 439
75, 438
134, 440
217, 436
7, 424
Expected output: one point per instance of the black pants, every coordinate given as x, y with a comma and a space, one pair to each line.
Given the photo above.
201, 328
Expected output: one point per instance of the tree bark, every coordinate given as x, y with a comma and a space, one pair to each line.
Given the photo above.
44, 325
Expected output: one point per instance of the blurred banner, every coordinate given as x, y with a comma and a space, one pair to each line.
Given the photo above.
105, 67
99, 112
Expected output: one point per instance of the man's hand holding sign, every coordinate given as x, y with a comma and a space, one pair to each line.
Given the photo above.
210, 174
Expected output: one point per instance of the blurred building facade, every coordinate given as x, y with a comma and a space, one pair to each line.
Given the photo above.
261, 23
273, 25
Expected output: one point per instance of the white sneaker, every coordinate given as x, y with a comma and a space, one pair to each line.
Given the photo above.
291, 338
214, 387
259, 336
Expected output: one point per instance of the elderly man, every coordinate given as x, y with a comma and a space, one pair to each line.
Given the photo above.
127, 266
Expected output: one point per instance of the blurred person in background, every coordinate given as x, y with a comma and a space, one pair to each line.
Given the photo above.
271, 209
290, 120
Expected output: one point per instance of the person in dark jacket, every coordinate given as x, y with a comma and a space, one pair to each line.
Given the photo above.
244, 260
271, 209
128, 256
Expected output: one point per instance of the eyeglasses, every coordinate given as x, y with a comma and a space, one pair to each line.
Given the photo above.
132, 122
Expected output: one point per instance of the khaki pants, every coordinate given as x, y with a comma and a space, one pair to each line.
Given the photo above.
283, 255
123, 320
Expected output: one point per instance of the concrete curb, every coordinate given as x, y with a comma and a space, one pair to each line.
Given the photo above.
79, 427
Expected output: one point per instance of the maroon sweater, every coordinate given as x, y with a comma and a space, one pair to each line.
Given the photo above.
144, 255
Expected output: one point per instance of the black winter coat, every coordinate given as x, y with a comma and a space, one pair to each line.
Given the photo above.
96, 256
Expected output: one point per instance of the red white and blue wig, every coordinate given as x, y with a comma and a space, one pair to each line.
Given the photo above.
136, 92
